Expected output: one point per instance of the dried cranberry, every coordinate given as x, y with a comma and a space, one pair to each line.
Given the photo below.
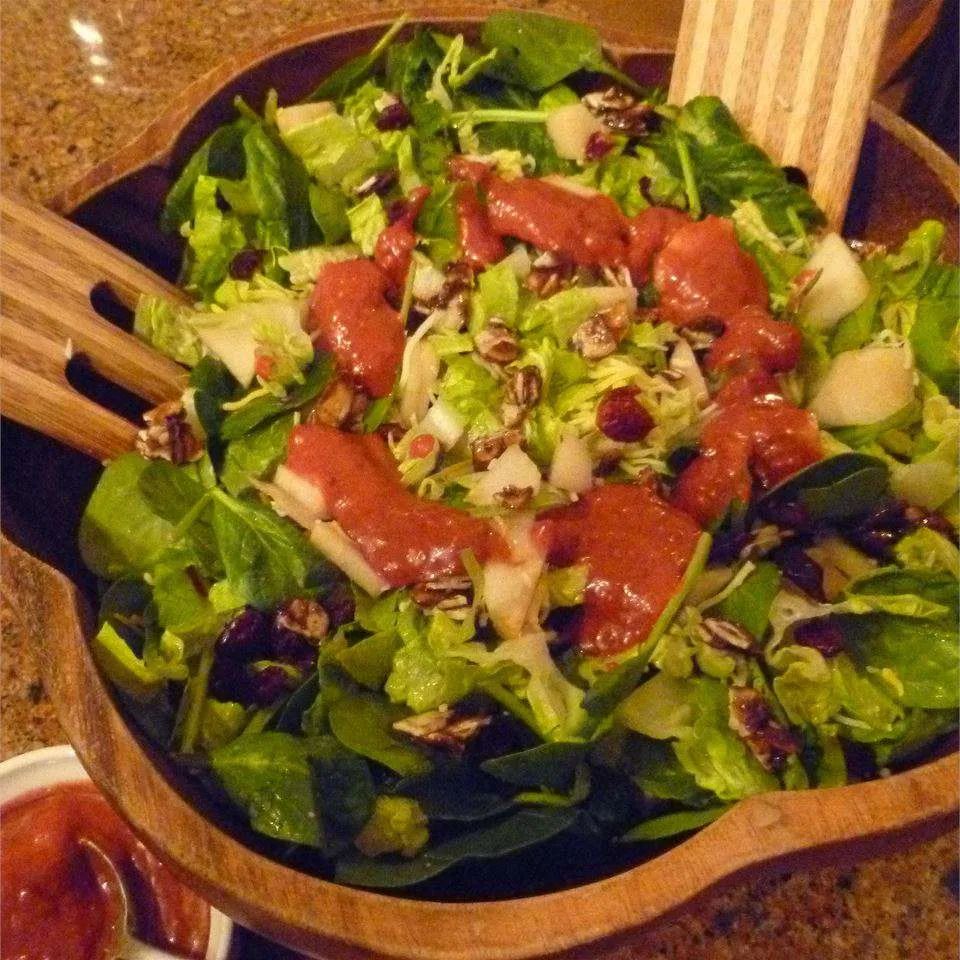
378, 183
396, 210
727, 544
800, 569
935, 521
598, 146
787, 514
269, 685
340, 605
245, 264
394, 116
621, 417
822, 633
245, 637
230, 680
796, 176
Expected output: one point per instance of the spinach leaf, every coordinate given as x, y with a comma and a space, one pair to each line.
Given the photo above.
838, 488
255, 454
182, 606
363, 722
269, 775
213, 386
344, 785
457, 793
351, 74
749, 605
289, 719
515, 832
369, 661
121, 534
706, 146
537, 51
671, 824
548, 765
266, 558
221, 155
258, 411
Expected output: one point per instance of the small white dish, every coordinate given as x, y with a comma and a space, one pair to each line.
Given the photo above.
50, 766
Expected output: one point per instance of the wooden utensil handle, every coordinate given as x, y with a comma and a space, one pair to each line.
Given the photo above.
35, 392
50, 270
797, 74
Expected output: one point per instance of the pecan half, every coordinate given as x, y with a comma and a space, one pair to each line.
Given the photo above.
725, 635
447, 593
307, 618
513, 497
622, 111
484, 450
442, 728
497, 343
167, 435
332, 407
752, 720
523, 388
549, 273
598, 336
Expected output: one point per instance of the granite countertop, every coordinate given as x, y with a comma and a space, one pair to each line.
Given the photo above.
80, 80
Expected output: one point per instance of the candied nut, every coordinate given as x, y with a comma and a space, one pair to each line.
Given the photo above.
598, 336
333, 406
497, 343
447, 593
442, 728
484, 450
167, 435
549, 273
305, 617
865, 249
752, 720
523, 388
702, 333
724, 635
513, 497
621, 416
622, 111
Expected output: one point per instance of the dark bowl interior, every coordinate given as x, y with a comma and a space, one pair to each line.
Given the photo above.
44, 485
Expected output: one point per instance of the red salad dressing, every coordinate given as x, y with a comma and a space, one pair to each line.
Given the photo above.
766, 437
590, 230
636, 547
350, 318
480, 245
396, 242
59, 903
404, 538
465, 169
703, 272
752, 338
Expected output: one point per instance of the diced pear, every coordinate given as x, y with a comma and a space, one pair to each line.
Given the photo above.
864, 386
571, 468
842, 285
570, 127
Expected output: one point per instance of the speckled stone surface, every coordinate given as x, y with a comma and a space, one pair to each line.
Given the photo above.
79, 80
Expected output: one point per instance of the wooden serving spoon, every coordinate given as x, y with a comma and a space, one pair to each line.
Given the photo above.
53, 273
797, 75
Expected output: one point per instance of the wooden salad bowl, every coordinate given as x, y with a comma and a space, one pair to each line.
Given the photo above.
902, 178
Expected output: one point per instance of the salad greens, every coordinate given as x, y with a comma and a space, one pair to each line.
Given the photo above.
386, 735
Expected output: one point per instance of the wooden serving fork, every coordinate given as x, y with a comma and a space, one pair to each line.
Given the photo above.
51, 271
796, 74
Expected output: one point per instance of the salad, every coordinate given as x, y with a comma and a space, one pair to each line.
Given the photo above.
550, 478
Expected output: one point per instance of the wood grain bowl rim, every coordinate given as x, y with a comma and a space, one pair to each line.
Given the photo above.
336, 921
